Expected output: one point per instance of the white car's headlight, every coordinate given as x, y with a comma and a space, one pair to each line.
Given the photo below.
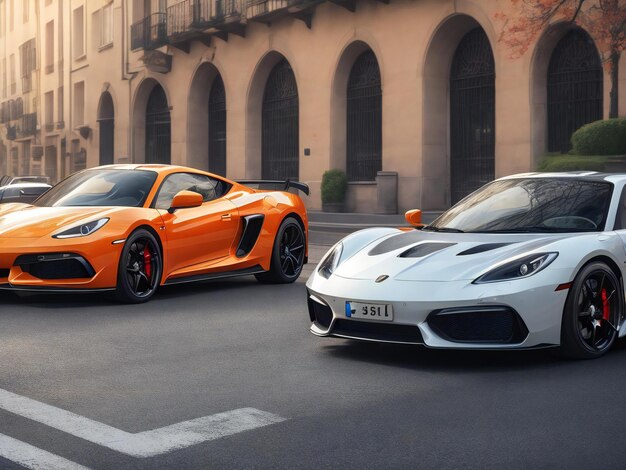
520, 268
82, 230
330, 261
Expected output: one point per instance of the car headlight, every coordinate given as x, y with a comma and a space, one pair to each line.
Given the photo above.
330, 261
518, 269
82, 230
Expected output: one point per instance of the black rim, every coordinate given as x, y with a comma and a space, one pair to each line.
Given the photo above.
142, 267
598, 310
292, 250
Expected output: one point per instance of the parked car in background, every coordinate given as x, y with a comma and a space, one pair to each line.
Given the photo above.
22, 192
6, 180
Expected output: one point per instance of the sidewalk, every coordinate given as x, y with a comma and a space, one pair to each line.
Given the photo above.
327, 228
350, 222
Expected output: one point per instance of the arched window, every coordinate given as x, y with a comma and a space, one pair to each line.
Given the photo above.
158, 127
472, 115
365, 124
106, 123
280, 127
217, 127
574, 88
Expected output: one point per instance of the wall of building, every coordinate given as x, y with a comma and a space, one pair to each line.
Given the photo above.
414, 43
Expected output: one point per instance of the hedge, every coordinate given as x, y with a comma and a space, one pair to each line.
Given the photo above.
606, 137
560, 162
334, 184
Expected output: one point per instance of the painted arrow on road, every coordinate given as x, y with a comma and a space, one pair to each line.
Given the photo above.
143, 444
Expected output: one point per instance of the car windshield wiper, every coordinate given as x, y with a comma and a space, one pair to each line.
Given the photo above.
535, 228
442, 229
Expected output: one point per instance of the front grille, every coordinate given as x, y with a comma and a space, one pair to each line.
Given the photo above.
378, 331
4, 272
61, 269
55, 266
479, 325
320, 314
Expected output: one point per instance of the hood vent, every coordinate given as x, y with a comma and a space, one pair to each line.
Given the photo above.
424, 249
396, 242
482, 248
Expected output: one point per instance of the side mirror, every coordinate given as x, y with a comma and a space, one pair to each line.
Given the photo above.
185, 200
414, 217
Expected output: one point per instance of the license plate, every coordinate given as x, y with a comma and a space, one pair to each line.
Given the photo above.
379, 312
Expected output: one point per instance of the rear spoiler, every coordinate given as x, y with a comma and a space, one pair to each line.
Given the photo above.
280, 185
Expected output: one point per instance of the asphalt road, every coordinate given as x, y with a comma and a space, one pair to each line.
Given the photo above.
208, 348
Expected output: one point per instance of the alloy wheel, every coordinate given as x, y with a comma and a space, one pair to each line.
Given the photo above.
143, 267
598, 310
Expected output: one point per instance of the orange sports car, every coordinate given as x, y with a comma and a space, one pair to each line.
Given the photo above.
131, 228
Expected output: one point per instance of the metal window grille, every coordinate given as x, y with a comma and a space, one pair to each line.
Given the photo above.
575, 89
472, 115
365, 124
158, 128
106, 122
280, 126
217, 127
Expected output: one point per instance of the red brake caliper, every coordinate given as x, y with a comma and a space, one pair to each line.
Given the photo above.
147, 262
606, 311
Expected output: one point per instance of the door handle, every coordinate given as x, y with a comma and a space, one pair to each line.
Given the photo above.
226, 217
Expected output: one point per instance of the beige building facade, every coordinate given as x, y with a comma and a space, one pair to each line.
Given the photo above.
416, 100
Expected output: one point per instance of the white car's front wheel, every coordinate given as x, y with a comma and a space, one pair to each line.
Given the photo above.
592, 312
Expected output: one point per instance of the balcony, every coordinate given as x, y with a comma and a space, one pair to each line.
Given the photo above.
216, 13
149, 33
11, 132
189, 20
28, 125
265, 10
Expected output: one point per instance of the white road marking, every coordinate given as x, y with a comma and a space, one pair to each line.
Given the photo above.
32, 457
143, 444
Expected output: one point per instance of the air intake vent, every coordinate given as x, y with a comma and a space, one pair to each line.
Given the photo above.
482, 248
479, 325
396, 242
424, 249
4, 272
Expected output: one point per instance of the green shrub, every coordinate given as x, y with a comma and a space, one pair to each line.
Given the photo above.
559, 162
606, 137
334, 184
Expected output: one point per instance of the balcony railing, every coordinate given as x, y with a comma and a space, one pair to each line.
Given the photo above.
207, 13
189, 19
149, 33
180, 18
262, 8
28, 125
11, 132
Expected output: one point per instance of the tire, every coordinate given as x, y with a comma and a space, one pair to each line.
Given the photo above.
138, 273
287, 254
592, 313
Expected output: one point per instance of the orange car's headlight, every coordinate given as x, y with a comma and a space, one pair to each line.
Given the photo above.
82, 230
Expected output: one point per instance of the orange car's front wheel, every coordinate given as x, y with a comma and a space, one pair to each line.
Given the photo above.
140, 268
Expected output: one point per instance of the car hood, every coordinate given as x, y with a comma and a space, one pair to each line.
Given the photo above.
430, 256
26, 221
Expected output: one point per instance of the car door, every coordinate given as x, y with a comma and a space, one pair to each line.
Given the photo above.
197, 235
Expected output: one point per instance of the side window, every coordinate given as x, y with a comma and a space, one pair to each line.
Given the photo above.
620, 216
210, 188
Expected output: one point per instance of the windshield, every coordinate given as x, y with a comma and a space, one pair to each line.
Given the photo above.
127, 188
530, 205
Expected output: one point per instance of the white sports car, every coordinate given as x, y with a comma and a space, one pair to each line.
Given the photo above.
527, 261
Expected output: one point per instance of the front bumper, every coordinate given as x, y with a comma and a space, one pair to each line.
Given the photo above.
51, 265
531, 308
